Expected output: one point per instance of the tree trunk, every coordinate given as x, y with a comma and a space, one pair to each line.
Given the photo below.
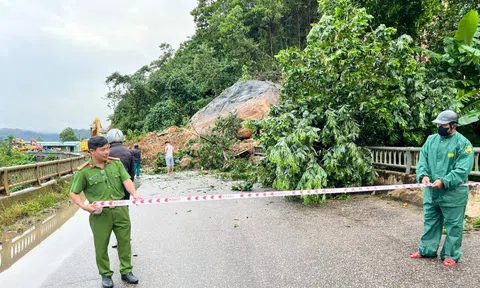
271, 40
298, 29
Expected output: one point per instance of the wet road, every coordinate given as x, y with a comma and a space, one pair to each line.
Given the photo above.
360, 242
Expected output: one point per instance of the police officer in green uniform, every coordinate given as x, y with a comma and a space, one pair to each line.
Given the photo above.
103, 178
446, 159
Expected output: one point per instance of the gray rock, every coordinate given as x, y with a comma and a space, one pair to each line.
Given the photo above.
250, 99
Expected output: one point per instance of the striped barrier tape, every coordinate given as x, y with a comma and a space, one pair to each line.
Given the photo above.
217, 197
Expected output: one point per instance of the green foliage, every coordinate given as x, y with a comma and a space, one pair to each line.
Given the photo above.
50, 158
445, 22
458, 68
68, 134
467, 28
244, 186
407, 16
34, 206
10, 157
426, 21
235, 39
352, 86
216, 145
134, 136
163, 115
240, 169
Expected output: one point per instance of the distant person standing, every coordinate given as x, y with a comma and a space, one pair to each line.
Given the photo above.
115, 139
137, 159
169, 157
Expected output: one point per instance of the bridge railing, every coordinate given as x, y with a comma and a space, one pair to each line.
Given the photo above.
396, 157
40, 156
17, 176
407, 158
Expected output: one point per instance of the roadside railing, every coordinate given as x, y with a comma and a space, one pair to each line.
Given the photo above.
41, 156
407, 158
36, 174
396, 157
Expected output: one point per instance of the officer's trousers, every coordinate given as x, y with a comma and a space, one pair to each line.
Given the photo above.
434, 218
117, 220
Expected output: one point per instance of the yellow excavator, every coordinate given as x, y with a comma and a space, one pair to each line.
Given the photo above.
18, 144
95, 130
21, 145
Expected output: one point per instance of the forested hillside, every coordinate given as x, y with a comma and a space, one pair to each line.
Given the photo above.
242, 39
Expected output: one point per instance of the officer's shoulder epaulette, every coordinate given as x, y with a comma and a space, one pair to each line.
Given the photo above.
82, 166
114, 158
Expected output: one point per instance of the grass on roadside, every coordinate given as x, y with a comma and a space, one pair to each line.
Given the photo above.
32, 209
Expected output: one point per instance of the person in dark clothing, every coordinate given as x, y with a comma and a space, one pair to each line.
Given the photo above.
115, 138
137, 159
117, 150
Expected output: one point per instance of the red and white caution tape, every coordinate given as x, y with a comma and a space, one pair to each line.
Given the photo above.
167, 200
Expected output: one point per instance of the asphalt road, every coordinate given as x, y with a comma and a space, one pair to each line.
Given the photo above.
360, 242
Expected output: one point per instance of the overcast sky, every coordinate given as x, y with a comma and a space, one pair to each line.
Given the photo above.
56, 54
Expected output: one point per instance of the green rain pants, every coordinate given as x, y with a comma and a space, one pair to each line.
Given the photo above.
117, 220
434, 217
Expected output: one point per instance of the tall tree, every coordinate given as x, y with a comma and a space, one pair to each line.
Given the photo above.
353, 85
68, 134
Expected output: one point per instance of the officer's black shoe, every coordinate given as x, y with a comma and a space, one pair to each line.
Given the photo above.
107, 282
129, 278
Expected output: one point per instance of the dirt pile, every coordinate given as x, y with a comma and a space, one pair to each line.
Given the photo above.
153, 143
246, 145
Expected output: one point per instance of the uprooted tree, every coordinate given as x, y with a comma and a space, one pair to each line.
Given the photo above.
353, 85
215, 149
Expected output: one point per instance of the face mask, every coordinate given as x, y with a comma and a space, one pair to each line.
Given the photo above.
442, 131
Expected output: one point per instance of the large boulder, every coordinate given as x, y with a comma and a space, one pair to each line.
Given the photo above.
186, 162
250, 99
194, 149
244, 133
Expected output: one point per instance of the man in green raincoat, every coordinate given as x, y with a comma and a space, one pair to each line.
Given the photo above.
446, 159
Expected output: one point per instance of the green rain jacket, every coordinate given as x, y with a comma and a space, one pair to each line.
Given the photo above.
449, 159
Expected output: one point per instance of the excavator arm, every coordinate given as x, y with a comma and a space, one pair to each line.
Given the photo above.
95, 130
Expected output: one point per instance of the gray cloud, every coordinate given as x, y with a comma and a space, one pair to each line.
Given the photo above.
55, 56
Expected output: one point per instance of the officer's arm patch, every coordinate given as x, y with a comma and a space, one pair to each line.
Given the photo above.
468, 149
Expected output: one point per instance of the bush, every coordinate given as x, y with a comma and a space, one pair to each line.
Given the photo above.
244, 186
214, 152
240, 169
11, 157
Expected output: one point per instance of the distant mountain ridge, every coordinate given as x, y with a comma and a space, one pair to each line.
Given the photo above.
27, 134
